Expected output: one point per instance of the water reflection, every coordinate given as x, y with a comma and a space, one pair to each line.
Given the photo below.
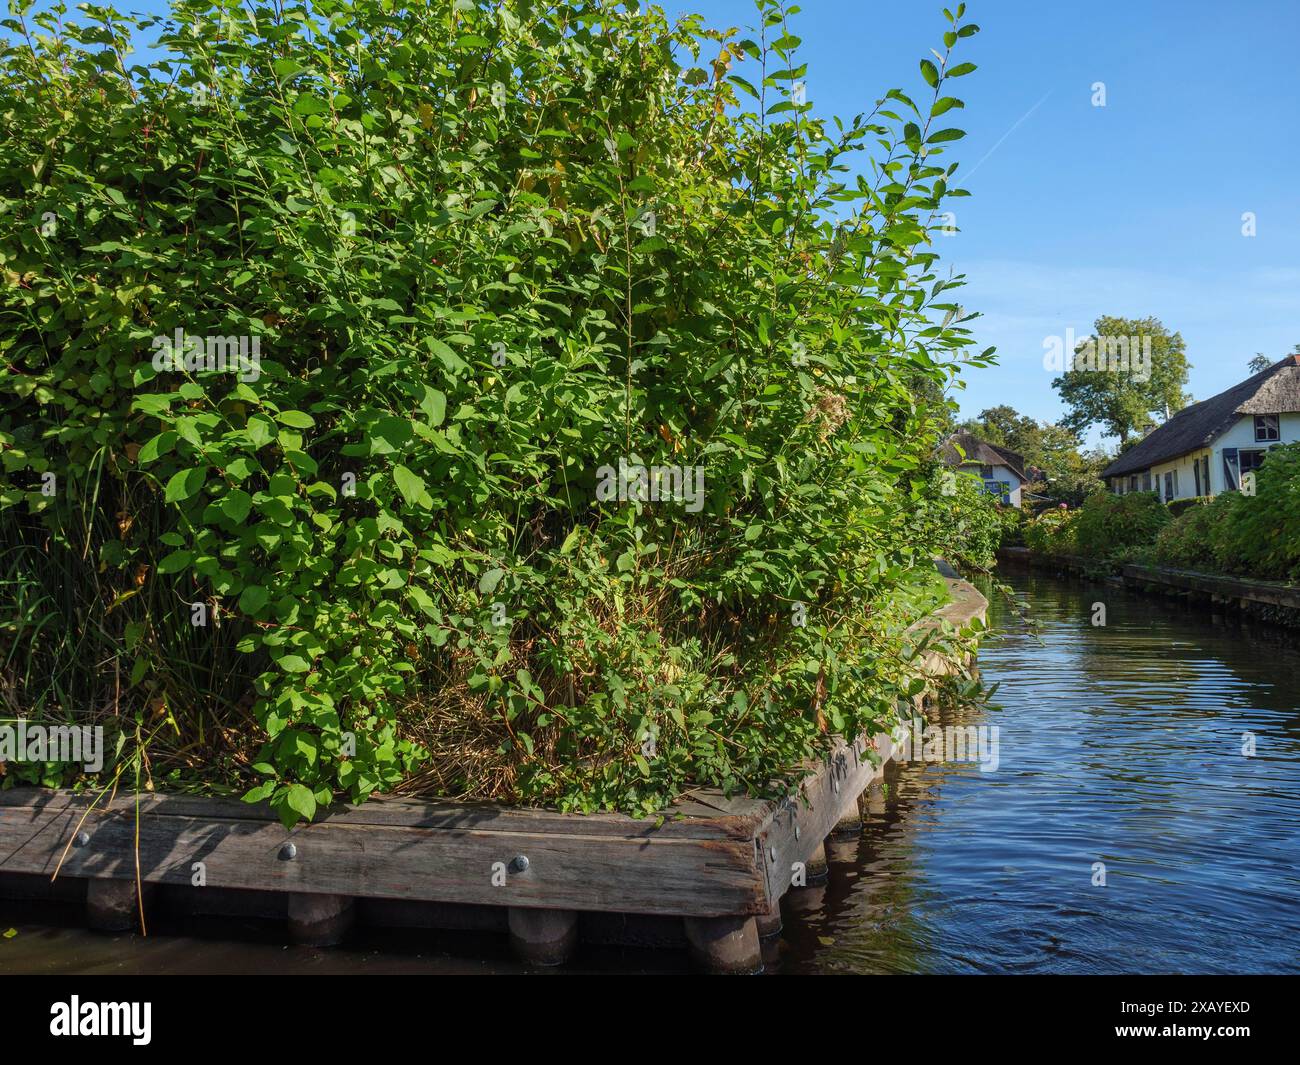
1121, 745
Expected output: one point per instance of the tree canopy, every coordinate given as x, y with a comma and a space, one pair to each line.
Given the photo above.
1126, 378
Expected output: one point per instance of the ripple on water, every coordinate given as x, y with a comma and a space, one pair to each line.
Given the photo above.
1120, 745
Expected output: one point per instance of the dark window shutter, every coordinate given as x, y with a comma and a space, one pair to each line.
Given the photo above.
1231, 469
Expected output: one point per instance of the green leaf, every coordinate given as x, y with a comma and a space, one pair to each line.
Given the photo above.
156, 447
184, 484
175, 562
295, 419
434, 406
252, 599
409, 484
930, 72
301, 801
236, 504
307, 104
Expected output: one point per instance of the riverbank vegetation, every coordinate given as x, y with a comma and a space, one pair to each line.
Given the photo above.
1234, 534
1063, 470
525, 402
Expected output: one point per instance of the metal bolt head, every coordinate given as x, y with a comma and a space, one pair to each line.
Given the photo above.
81, 839
519, 863
797, 833
288, 852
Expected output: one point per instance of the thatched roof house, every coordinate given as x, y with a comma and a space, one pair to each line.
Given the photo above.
1001, 469
1205, 448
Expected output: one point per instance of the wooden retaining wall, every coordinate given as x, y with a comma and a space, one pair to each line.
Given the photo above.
717, 863
1272, 600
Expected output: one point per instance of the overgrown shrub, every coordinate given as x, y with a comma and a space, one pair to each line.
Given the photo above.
1051, 532
1111, 526
964, 523
1259, 534
1194, 539
488, 255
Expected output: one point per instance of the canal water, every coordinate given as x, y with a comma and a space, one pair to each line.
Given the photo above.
1125, 828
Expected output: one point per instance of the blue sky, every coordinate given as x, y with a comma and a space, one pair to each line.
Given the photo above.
1132, 209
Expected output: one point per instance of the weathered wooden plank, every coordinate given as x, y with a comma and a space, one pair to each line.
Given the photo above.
415, 813
652, 875
1272, 593
796, 827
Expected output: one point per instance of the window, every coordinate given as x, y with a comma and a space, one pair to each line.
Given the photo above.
1133, 483
1205, 475
1146, 481
1196, 471
1251, 460
986, 471
1266, 427
1169, 486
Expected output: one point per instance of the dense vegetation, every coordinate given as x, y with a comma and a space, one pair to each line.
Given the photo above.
1065, 472
1243, 535
487, 255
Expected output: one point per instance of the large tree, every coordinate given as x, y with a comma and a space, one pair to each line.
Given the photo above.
1126, 378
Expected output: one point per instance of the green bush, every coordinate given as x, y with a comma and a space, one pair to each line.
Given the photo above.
1194, 539
964, 523
1260, 534
1111, 527
482, 257
1051, 532
1177, 507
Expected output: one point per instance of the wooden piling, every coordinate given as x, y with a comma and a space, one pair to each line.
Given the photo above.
769, 924
112, 905
543, 937
320, 920
726, 945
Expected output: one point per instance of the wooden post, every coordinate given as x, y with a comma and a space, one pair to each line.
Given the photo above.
727, 945
815, 868
112, 905
876, 801
543, 937
769, 924
320, 920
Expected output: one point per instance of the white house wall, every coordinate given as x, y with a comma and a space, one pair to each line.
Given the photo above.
1184, 465
1241, 436
1000, 473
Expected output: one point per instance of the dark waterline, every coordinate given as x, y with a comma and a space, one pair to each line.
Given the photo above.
1119, 744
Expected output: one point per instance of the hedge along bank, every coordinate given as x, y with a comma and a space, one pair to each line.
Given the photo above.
483, 251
